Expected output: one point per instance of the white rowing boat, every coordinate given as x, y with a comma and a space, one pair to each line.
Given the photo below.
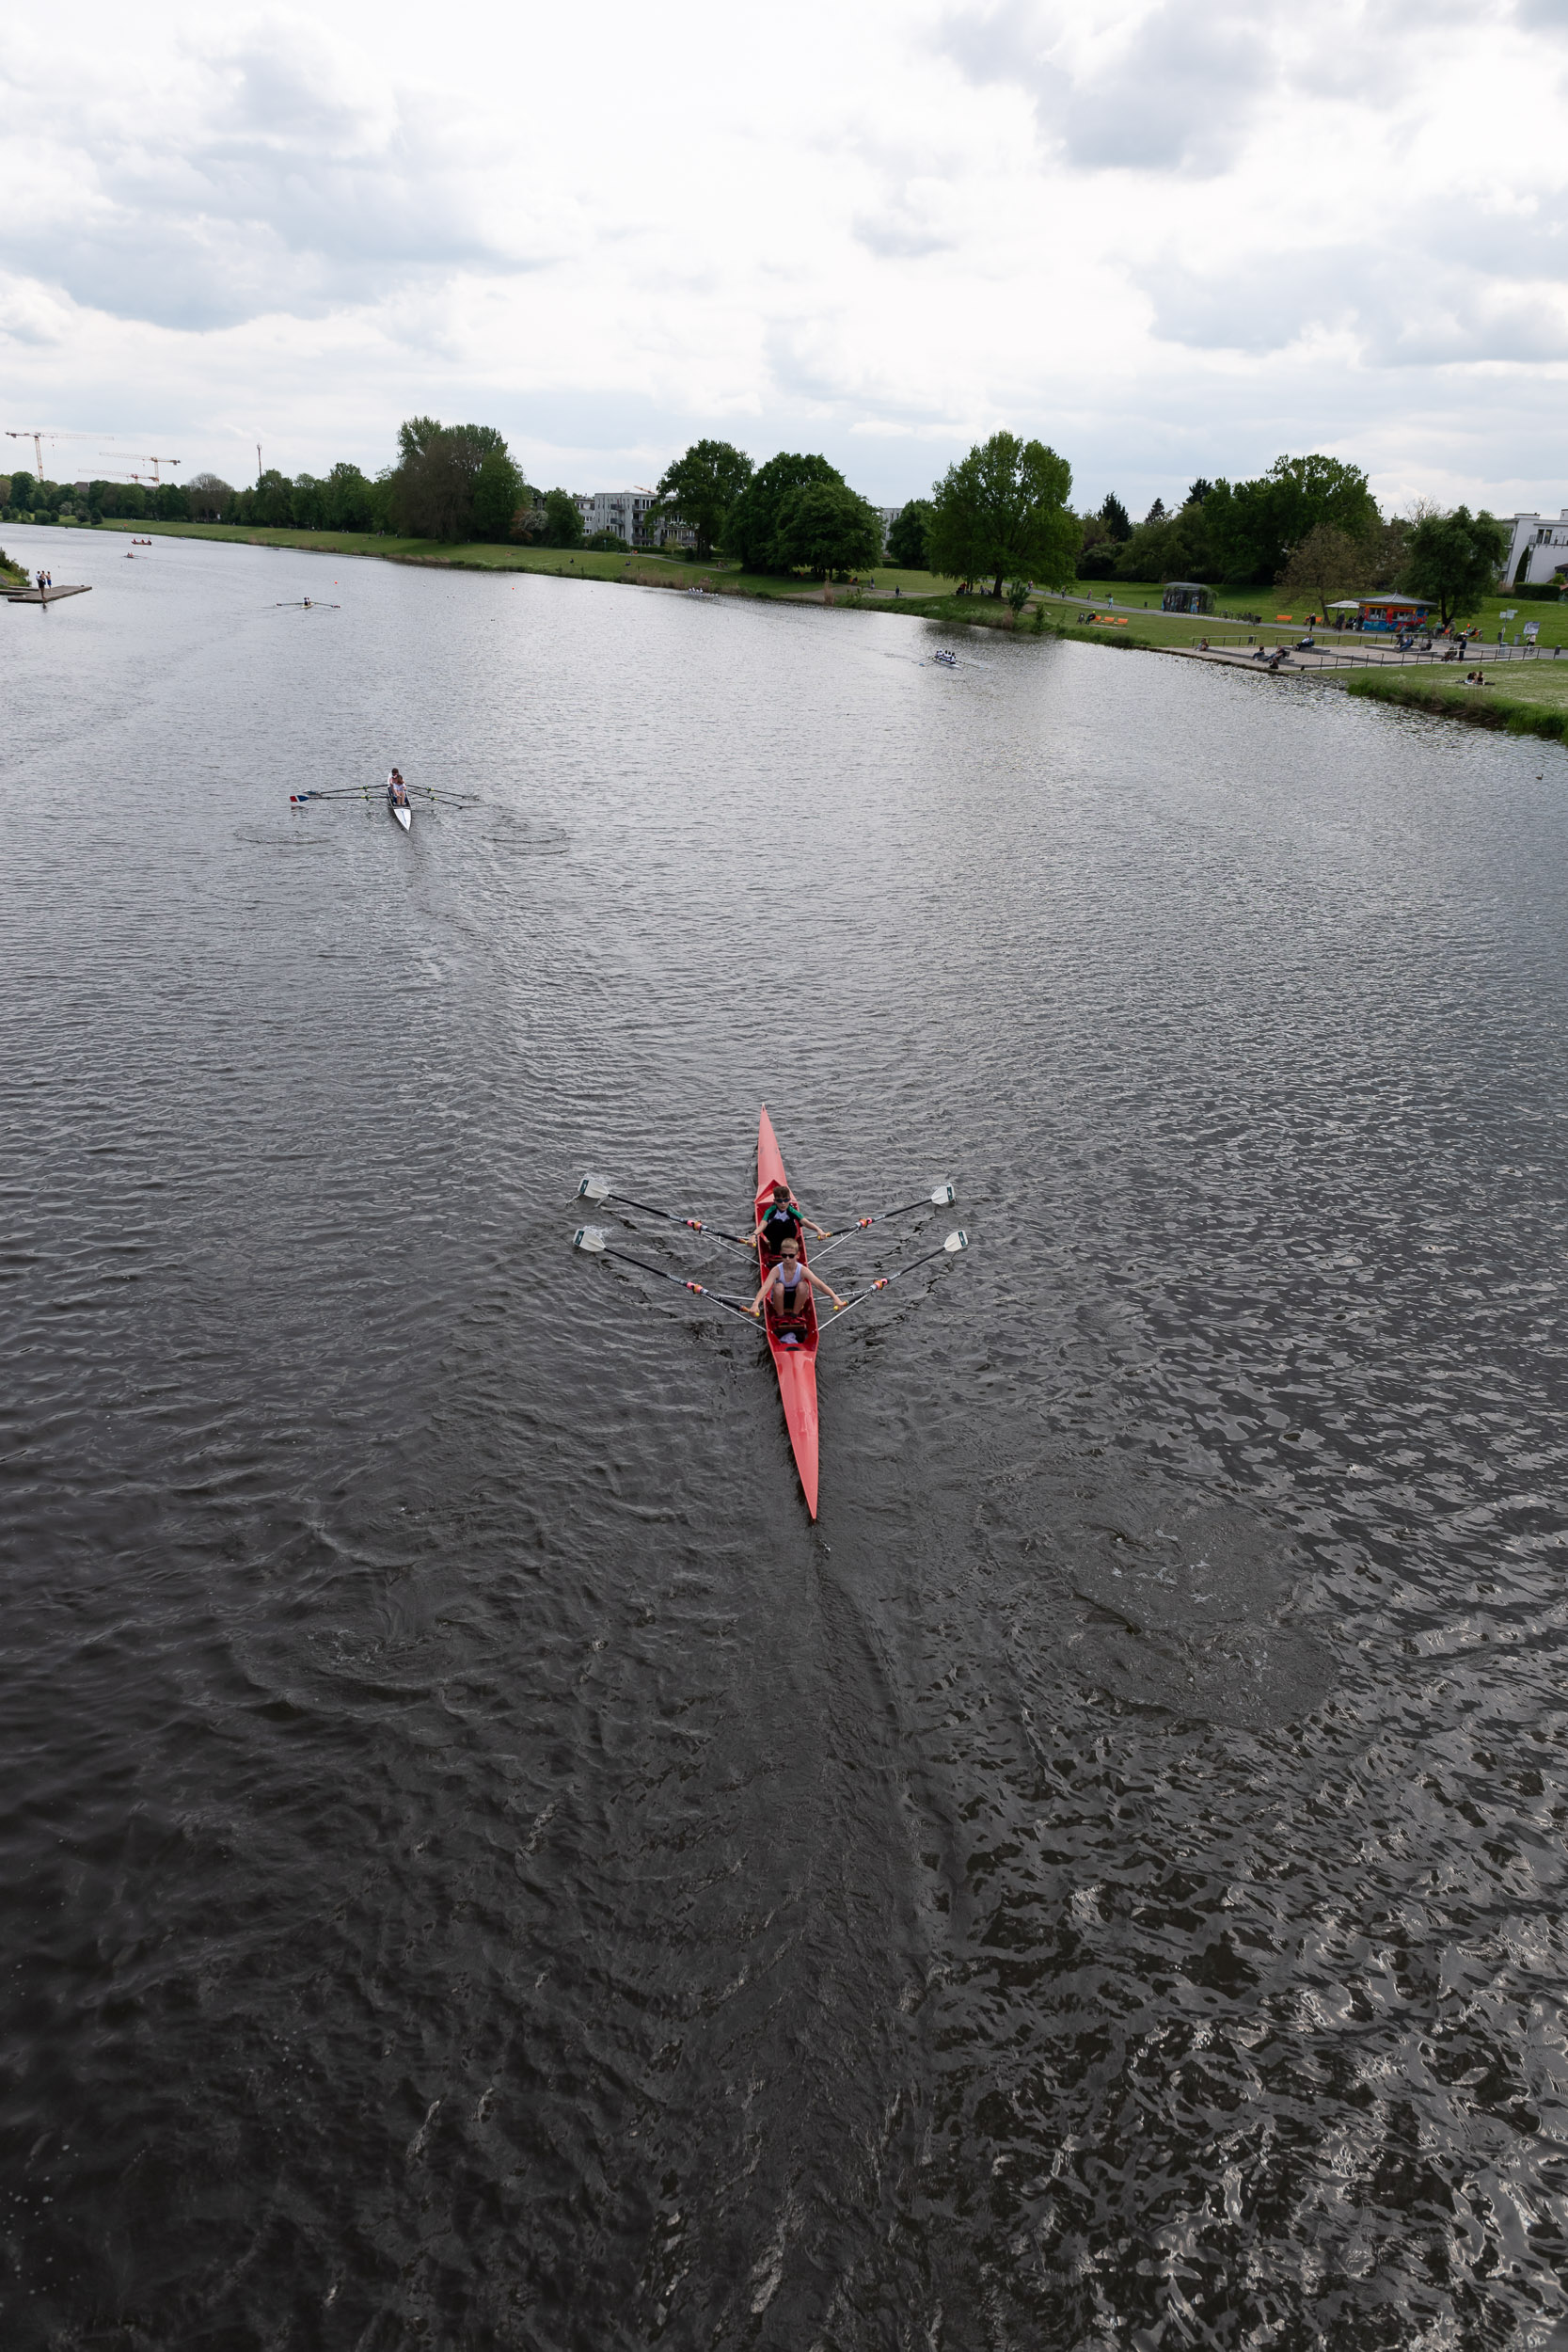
399, 809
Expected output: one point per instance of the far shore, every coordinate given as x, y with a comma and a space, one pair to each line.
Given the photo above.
1523, 695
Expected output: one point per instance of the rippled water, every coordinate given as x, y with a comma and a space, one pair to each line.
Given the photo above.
479, 1868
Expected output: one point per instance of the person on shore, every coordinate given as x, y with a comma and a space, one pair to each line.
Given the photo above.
782, 1222
787, 1288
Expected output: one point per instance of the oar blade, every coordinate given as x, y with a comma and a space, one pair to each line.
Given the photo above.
589, 1238
943, 1196
956, 1241
593, 1188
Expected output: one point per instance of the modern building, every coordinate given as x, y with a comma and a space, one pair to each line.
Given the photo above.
1538, 551
633, 515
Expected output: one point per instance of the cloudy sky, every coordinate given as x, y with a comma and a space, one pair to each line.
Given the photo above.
1169, 237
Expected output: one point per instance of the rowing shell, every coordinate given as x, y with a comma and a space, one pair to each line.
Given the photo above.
794, 1350
404, 815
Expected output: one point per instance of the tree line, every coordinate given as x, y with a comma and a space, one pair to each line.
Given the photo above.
1309, 525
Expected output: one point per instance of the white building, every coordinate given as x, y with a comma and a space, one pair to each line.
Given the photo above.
633, 515
1538, 551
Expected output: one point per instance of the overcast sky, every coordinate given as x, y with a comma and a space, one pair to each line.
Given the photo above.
1171, 237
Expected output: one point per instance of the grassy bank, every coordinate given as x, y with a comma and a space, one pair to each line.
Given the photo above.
1542, 711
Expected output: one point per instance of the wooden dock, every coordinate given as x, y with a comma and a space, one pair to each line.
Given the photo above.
45, 595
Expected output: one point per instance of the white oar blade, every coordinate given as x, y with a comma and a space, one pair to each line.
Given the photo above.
957, 1240
589, 1238
593, 1188
943, 1196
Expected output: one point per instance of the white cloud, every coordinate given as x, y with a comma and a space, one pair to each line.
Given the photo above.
1170, 239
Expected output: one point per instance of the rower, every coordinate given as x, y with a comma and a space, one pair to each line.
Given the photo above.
782, 1222
787, 1288
398, 790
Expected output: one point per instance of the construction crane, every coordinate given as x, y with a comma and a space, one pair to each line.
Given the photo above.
37, 440
140, 459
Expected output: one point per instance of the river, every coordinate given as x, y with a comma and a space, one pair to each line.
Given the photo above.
478, 1867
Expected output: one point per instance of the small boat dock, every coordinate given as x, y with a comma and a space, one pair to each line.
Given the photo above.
45, 595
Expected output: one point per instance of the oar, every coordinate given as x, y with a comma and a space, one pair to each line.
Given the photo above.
597, 1188
943, 1197
951, 1246
591, 1238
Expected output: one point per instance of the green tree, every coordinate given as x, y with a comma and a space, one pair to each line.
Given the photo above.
350, 500
563, 520
497, 494
1198, 491
432, 490
22, 491
1003, 509
1114, 517
271, 503
607, 543
906, 541
1453, 559
823, 527
700, 488
1253, 525
1328, 564
211, 497
752, 524
309, 503
1174, 547
1156, 512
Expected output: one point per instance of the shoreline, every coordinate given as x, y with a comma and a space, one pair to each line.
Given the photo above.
1404, 687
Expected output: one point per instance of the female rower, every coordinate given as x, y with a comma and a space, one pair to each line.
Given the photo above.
398, 789
780, 1222
788, 1287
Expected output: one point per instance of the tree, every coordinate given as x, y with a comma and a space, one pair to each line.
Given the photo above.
272, 502
1198, 491
824, 527
607, 543
22, 491
1253, 525
432, 485
1003, 509
752, 524
1114, 517
211, 497
906, 541
1453, 559
497, 494
563, 520
351, 501
1329, 564
1156, 512
309, 503
700, 488
1018, 596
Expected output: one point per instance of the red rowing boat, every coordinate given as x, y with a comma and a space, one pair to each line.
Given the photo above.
794, 1345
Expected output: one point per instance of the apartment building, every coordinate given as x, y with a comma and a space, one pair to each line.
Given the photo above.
1537, 551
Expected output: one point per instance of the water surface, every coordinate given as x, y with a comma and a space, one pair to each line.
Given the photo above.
479, 1868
